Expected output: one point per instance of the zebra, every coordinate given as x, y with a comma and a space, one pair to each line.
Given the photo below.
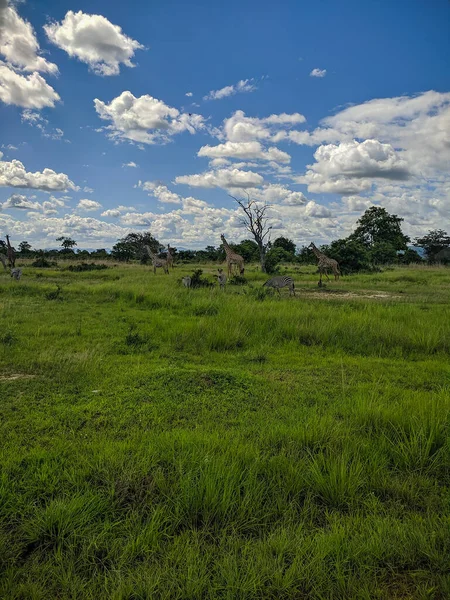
16, 273
3, 261
187, 281
157, 262
221, 278
281, 281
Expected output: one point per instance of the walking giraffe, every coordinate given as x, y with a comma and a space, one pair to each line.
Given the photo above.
325, 263
169, 257
232, 257
10, 254
157, 262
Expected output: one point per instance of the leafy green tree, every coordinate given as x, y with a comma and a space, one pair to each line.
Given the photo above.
286, 244
376, 225
409, 256
3, 247
433, 242
383, 253
123, 251
101, 254
351, 255
24, 248
132, 246
248, 249
67, 243
306, 256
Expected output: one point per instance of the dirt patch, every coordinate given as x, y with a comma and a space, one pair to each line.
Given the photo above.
334, 294
14, 376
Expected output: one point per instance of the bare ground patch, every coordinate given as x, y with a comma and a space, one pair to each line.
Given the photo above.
14, 376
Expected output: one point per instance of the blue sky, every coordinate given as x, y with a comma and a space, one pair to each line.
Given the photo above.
319, 108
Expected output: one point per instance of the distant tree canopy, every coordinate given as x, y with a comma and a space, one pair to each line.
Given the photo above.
377, 226
24, 248
132, 247
67, 243
285, 243
434, 242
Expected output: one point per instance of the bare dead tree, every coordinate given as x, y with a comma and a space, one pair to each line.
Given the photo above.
256, 222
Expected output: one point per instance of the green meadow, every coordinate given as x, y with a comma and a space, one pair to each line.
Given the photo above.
165, 443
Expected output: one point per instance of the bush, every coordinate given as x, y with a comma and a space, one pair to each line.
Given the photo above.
43, 263
237, 280
198, 281
86, 267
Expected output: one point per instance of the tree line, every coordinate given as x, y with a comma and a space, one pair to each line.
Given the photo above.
377, 240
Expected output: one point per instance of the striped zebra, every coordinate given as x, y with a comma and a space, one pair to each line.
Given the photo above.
221, 278
187, 281
281, 281
157, 262
16, 273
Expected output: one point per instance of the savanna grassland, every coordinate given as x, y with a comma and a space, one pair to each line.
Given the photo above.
159, 442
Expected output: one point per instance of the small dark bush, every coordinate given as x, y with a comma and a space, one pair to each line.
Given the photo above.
237, 280
8, 339
86, 267
198, 281
55, 295
43, 263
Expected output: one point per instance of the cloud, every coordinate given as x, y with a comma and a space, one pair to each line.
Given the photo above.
275, 193
223, 178
18, 44
93, 40
161, 192
28, 91
419, 125
118, 211
244, 150
348, 167
318, 73
35, 119
20, 202
145, 120
130, 164
244, 85
240, 128
189, 94
13, 174
318, 211
88, 205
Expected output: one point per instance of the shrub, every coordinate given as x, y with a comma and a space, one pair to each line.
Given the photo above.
43, 263
86, 267
237, 280
198, 281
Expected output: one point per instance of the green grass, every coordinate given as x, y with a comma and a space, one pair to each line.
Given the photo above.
159, 442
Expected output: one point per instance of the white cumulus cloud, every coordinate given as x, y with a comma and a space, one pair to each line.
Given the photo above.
28, 91
19, 46
222, 178
145, 120
14, 174
244, 85
93, 40
244, 150
87, 205
159, 191
318, 73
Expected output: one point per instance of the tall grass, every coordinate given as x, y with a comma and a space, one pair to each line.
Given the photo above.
159, 442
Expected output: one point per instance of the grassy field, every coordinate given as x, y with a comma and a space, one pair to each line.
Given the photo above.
159, 442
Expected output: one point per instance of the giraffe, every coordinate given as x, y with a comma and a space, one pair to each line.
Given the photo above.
10, 254
232, 257
169, 258
325, 263
157, 262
